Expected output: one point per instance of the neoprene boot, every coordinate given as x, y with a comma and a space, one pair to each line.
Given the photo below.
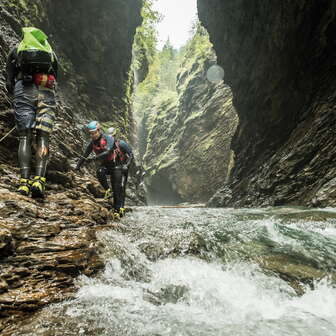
122, 212
38, 187
24, 187
116, 214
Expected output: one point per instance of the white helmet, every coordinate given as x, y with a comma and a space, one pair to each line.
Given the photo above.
111, 131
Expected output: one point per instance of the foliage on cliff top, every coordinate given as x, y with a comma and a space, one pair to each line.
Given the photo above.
145, 40
167, 65
198, 48
160, 82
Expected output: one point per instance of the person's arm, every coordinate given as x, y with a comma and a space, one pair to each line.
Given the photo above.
102, 155
85, 155
11, 70
109, 149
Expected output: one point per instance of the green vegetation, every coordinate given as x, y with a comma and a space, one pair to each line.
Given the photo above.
145, 40
164, 67
198, 48
160, 82
162, 75
185, 122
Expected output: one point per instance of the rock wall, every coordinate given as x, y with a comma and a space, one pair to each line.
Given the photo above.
44, 245
279, 59
93, 40
188, 145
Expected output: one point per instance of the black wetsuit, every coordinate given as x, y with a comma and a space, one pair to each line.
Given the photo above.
115, 157
34, 108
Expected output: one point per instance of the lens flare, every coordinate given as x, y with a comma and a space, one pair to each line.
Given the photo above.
215, 74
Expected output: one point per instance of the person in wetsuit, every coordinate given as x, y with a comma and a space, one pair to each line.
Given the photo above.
31, 72
115, 157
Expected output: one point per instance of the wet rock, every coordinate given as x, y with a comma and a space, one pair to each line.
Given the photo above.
221, 198
3, 286
59, 178
326, 195
169, 294
6, 242
45, 244
285, 142
51, 241
187, 144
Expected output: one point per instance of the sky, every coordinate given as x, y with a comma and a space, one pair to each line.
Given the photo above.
177, 21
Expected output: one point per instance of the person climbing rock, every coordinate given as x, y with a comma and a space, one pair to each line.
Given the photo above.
115, 157
31, 72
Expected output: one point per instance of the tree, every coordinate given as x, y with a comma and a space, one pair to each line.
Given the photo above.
145, 40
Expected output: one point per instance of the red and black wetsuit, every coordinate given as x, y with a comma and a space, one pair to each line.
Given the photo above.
115, 157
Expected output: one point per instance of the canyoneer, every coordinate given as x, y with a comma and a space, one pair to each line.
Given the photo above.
31, 72
115, 157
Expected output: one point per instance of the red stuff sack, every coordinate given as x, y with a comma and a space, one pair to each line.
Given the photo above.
44, 80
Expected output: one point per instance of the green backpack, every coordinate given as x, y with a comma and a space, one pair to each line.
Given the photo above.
35, 54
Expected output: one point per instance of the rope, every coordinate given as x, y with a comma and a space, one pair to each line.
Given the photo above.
5, 136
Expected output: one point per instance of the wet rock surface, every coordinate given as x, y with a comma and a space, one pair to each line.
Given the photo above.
94, 52
188, 154
278, 59
46, 243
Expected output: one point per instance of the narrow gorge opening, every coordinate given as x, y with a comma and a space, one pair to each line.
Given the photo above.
182, 107
263, 260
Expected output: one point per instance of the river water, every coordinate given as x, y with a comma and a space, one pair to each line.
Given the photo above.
199, 271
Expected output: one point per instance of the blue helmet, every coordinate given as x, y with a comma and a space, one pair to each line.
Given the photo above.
92, 126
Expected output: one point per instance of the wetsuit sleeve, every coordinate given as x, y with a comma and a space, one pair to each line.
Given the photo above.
87, 152
101, 155
11, 70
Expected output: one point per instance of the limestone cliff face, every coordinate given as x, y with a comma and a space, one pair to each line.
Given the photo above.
279, 59
188, 153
